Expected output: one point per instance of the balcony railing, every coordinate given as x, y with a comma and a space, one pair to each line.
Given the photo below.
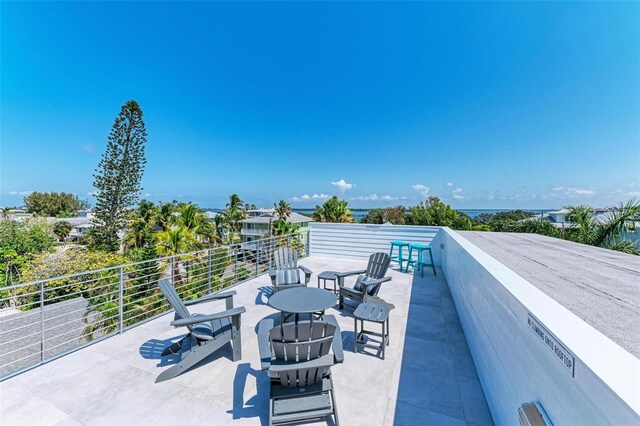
253, 232
43, 320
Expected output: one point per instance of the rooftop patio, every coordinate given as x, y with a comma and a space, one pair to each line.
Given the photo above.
428, 373
508, 320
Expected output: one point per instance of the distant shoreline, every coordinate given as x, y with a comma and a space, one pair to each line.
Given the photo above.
359, 213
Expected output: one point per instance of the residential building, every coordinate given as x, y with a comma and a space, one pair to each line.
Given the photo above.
259, 225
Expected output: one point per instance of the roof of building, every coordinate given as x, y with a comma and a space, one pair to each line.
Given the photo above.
600, 286
73, 221
266, 218
561, 211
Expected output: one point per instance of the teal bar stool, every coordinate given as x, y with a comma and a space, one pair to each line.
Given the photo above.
400, 257
420, 263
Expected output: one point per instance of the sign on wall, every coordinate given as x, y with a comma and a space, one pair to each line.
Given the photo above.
556, 347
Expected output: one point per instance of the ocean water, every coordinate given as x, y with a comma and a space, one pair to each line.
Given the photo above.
360, 213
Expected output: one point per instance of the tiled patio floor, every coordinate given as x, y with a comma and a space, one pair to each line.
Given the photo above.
428, 376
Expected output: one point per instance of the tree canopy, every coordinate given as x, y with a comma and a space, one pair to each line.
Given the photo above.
333, 210
54, 204
118, 176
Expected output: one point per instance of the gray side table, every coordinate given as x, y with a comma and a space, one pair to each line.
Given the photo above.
376, 313
328, 276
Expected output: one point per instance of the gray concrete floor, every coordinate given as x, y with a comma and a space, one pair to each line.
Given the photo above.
428, 376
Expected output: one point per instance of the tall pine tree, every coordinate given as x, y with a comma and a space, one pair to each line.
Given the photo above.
118, 175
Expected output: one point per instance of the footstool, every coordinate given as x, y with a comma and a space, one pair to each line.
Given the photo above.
376, 313
328, 276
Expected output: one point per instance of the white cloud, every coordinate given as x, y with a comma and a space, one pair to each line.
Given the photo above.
422, 189
574, 192
307, 197
456, 194
92, 193
449, 183
633, 194
89, 148
372, 197
376, 197
343, 185
21, 192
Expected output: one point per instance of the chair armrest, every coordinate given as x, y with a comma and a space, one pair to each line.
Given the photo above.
347, 274
264, 346
272, 274
336, 345
369, 283
323, 361
205, 318
209, 297
307, 274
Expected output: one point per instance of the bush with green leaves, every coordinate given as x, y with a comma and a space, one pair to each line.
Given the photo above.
54, 204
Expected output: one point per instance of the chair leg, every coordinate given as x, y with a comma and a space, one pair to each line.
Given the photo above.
335, 405
341, 302
355, 335
383, 340
196, 354
409, 260
174, 348
433, 265
236, 338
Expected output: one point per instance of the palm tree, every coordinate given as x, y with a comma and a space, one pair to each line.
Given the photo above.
173, 242
195, 221
139, 235
283, 210
147, 211
333, 210
165, 217
608, 233
233, 213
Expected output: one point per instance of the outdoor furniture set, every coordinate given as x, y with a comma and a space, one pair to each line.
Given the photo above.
298, 355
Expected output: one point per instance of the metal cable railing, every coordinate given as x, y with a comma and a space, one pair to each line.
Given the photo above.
46, 319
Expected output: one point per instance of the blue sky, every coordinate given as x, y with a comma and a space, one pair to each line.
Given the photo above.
486, 105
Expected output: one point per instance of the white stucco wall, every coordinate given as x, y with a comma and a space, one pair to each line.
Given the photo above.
514, 364
359, 241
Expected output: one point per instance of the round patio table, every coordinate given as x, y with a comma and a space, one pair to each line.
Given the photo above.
302, 300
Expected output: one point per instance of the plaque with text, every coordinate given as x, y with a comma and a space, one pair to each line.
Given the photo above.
563, 355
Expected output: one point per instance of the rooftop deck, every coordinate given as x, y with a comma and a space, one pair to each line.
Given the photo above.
428, 373
600, 286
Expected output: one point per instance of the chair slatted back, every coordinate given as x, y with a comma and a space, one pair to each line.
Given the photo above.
378, 265
174, 300
299, 342
285, 258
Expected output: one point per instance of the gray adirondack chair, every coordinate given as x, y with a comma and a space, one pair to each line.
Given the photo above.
207, 333
368, 282
298, 360
286, 271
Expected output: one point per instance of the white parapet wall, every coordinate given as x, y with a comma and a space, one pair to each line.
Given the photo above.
527, 347
359, 241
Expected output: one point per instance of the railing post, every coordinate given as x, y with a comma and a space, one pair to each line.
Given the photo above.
171, 273
235, 266
209, 271
257, 257
41, 321
120, 298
